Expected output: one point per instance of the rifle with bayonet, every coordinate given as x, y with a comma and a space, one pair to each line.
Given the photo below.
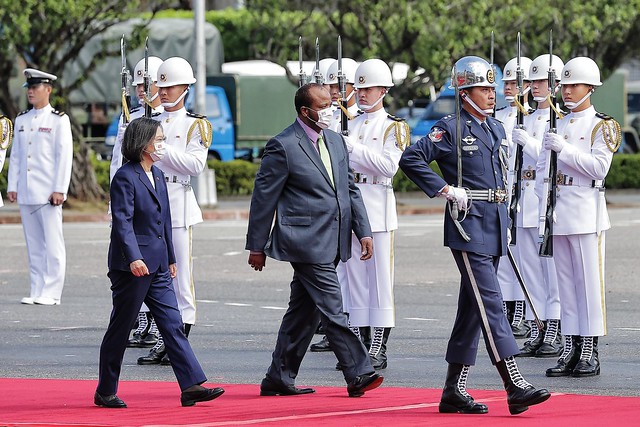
517, 168
126, 83
317, 74
342, 85
146, 79
545, 224
302, 76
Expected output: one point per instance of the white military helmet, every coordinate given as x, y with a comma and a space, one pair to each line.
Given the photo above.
472, 71
349, 67
512, 66
373, 72
581, 70
323, 66
175, 71
138, 72
540, 67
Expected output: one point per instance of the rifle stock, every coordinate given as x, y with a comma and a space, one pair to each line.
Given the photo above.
517, 168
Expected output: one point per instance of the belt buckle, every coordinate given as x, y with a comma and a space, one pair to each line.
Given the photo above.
529, 174
563, 179
499, 195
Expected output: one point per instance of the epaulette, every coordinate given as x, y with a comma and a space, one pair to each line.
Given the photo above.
603, 116
531, 111
395, 118
196, 116
155, 114
134, 110
501, 108
22, 112
58, 113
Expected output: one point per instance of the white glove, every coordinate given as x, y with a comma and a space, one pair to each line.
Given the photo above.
553, 141
458, 195
508, 235
520, 136
349, 143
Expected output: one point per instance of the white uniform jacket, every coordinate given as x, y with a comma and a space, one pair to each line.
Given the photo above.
583, 164
374, 160
183, 159
41, 157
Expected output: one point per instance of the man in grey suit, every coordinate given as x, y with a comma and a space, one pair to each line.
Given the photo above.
305, 183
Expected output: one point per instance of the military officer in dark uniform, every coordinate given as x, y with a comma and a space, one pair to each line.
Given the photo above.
475, 230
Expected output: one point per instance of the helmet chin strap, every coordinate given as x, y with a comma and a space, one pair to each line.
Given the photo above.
366, 107
574, 105
485, 113
177, 101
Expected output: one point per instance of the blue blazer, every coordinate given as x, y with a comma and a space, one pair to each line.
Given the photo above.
313, 220
141, 220
486, 223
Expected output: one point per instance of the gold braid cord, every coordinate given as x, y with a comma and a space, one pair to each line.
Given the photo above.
521, 107
611, 134
206, 131
344, 110
7, 132
398, 128
553, 107
125, 108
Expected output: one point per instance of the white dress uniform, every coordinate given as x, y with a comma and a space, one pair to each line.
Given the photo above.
186, 156
538, 272
375, 145
40, 164
6, 135
506, 277
581, 219
116, 155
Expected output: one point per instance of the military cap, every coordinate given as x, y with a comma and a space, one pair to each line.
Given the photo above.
35, 77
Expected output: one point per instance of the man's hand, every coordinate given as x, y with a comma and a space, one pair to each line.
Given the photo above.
173, 270
520, 136
366, 243
139, 268
257, 260
56, 199
458, 195
13, 196
553, 141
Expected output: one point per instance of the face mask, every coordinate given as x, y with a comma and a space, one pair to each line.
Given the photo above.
325, 117
160, 150
574, 105
366, 107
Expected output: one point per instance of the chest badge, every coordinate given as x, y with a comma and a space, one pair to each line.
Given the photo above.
469, 140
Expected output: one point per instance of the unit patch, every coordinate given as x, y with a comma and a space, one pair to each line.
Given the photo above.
436, 134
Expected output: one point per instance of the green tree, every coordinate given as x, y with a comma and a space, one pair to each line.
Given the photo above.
47, 34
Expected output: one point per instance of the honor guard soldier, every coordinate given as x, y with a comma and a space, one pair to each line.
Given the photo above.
538, 272
6, 135
585, 142
467, 147
154, 101
349, 67
146, 334
39, 176
511, 293
375, 143
184, 155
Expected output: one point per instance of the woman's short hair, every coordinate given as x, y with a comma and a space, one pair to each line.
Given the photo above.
137, 136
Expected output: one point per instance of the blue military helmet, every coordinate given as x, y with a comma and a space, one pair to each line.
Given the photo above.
472, 71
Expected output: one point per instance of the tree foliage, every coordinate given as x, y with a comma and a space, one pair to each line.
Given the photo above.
46, 34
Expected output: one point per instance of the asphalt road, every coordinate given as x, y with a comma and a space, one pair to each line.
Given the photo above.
239, 311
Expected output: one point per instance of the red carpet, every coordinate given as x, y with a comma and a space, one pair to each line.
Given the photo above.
36, 402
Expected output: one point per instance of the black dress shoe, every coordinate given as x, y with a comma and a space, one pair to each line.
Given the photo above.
199, 394
111, 401
165, 360
154, 357
269, 388
322, 345
363, 383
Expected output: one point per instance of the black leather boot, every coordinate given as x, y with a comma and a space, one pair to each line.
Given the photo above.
155, 354
365, 336
589, 364
519, 326
533, 343
551, 345
455, 399
568, 359
520, 394
322, 345
141, 332
379, 358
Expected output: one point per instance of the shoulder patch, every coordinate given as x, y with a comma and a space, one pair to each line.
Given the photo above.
501, 108
196, 116
531, 111
155, 114
436, 134
22, 112
395, 118
134, 110
58, 113
603, 116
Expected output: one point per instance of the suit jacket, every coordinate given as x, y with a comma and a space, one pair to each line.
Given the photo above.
486, 223
313, 220
141, 227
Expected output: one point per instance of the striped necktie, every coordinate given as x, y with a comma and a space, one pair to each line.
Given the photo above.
324, 156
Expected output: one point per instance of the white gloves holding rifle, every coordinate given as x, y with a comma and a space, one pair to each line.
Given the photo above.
553, 141
458, 195
520, 136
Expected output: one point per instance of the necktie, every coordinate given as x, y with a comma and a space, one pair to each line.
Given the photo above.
485, 126
324, 156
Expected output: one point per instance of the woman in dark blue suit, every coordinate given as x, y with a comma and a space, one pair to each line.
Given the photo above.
141, 266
